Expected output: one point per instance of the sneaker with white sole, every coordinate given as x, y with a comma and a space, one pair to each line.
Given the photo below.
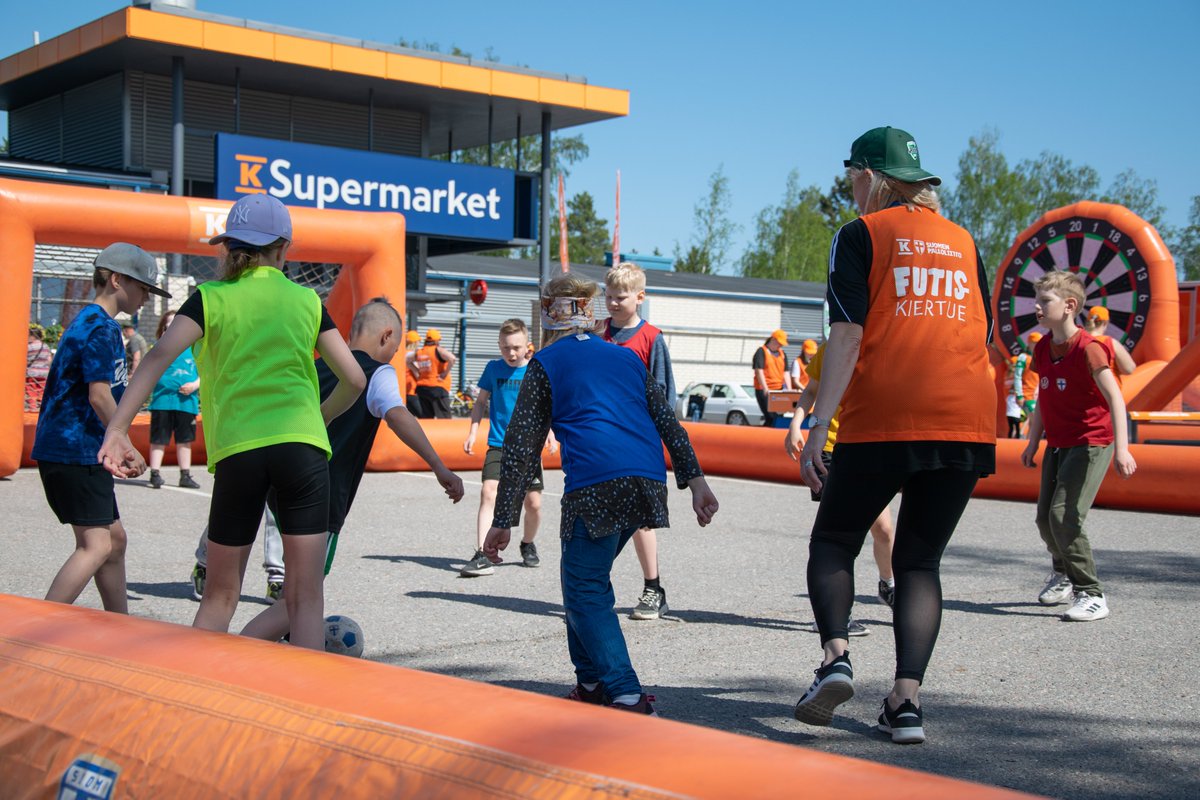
529, 554
199, 575
833, 686
905, 724
651, 605
478, 565
856, 628
1057, 590
1087, 608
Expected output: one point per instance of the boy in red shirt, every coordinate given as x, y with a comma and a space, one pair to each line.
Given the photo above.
1081, 410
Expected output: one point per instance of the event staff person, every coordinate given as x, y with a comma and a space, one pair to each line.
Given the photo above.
770, 372
910, 317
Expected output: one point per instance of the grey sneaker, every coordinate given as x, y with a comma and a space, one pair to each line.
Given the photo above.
651, 605
199, 574
156, 479
477, 566
856, 628
833, 686
1087, 608
186, 481
1058, 590
529, 554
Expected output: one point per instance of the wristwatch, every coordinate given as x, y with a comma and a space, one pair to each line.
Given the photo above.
814, 421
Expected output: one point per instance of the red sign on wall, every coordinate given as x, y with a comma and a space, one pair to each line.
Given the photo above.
478, 292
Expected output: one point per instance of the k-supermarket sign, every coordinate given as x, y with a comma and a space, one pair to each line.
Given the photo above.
435, 197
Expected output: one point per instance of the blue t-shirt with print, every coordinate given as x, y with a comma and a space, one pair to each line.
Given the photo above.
503, 383
91, 351
166, 395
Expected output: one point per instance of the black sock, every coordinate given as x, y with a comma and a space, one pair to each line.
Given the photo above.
652, 583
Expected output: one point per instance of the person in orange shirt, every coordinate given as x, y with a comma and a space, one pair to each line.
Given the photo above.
1096, 323
770, 372
801, 362
907, 361
431, 366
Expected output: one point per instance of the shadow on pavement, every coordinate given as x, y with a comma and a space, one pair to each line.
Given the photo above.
178, 590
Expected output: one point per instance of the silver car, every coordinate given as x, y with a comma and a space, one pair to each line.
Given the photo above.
729, 403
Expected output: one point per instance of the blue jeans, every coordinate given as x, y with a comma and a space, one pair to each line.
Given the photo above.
594, 637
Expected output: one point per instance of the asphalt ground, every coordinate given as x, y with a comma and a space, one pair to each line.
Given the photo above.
1013, 697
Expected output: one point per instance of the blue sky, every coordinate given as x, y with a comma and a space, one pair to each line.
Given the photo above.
767, 87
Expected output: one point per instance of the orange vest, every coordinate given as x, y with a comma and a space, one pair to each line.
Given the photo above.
410, 382
1108, 342
922, 371
774, 366
429, 365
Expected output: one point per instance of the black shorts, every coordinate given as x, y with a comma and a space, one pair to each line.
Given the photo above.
491, 469
827, 460
165, 423
299, 474
80, 494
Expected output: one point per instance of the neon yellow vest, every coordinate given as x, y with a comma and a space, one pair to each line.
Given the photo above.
258, 383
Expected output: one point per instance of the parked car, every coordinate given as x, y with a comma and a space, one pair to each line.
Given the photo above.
728, 403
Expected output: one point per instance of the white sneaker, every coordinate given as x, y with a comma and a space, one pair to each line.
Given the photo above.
1057, 590
1087, 608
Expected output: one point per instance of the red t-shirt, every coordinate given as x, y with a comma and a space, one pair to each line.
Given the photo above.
1074, 412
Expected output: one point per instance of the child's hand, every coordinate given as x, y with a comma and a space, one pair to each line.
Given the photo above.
1029, 454
469, 444
551, 443
450, 482
119, 456
189, 388
1125, 464
704, 502
495, 541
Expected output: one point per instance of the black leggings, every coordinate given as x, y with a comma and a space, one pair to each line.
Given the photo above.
932, 503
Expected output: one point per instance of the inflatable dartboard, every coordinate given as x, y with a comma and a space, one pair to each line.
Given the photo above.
1124, 265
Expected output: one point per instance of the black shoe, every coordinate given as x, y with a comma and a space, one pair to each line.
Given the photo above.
887, 594
833, 686
529, 554
156, 480
904, 724
595, 697
186, 481
642, 706
478, 565
651, 605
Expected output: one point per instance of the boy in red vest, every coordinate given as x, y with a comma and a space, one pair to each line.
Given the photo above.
624, 293
1081, 410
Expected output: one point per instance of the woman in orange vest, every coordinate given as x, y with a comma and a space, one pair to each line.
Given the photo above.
770, 372
907, 349
412, 342
1095, 324
431, 366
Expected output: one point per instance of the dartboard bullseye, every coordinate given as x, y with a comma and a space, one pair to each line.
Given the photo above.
1107, 256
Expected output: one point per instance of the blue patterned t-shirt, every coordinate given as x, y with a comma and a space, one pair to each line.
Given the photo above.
91, 351
503, 382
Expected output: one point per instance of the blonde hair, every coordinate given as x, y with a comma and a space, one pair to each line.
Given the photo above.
240, 257
886, 190
626, 276
567, 285
1066, 285
514, 325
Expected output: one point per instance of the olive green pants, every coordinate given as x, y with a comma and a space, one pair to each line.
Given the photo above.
1071, 477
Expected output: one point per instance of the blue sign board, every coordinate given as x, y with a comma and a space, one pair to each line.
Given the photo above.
437, 198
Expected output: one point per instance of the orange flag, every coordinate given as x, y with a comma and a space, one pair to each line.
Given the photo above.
563, 258
616, 250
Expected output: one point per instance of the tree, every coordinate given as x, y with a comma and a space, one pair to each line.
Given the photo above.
792, 239
1139, 195
838, 204
1186, 245
587, 234
712, 233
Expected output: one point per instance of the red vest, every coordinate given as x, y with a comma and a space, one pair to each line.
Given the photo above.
641, 342
1074, 412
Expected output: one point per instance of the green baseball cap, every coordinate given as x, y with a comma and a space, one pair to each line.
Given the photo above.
892, 152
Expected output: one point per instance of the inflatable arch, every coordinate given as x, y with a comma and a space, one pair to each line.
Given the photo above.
370, 246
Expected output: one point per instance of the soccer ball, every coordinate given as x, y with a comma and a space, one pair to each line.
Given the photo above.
343, 636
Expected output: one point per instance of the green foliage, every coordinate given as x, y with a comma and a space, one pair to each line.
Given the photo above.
564, 151
587, 233
1186, 245
792, 239
713, 231
50, 334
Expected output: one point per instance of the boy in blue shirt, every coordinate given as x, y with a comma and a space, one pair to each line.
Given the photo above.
77, 405
498, 388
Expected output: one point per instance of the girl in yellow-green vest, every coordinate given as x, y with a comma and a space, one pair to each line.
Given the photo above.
253, 333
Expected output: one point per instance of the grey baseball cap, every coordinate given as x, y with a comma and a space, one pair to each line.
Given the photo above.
133, 262
256, 219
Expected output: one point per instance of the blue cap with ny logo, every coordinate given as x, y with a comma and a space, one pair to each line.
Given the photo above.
257, 220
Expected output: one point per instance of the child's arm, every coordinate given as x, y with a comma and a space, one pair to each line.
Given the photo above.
476, 415
117, 453
1122, 459
101, 399
410, 363
409, 431
1029, 454
683, 457
794, 440
351, 380
660, 367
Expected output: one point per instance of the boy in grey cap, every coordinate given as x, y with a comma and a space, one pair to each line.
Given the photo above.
86, 373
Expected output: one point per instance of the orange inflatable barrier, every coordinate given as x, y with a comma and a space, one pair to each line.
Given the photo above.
1170, 381
368, 245
127, 707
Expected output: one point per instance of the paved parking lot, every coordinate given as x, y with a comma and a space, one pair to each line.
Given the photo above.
1014, 697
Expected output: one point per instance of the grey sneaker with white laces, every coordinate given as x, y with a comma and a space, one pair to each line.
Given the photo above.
1057, 590
651, 605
